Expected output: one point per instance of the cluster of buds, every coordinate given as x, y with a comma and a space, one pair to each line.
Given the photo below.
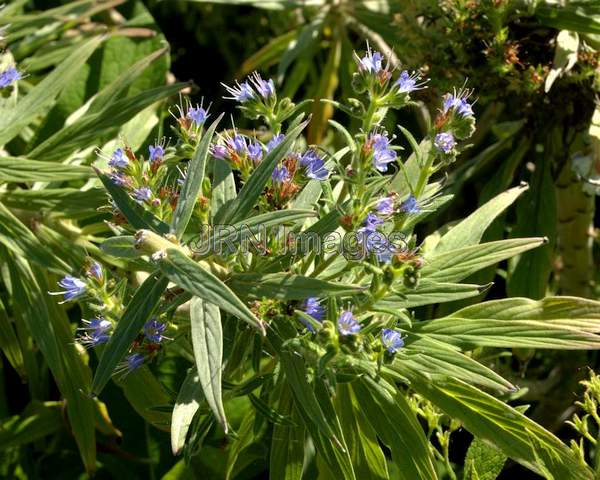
375, 77
454, 122
191, 120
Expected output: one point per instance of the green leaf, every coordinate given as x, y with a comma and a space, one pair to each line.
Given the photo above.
64, 202
223, 186
85, 131
558, 323
20, 170
368, 460
470, 230
242, 205
489, 419
138, 217
186, 405
207, 341
35, 423
287, 443
192, 185
397, 426
14, 119
428, 292
483, 461
9, 343
287, 286
190, 276
455, 265
121, 246
137, 312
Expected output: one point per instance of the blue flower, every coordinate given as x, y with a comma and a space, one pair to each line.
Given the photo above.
153, 330
377, 242
134, 361
95, 270
371, 223
219, 151
458, 101
315, 310
197, 115
276, 140
240, 92
255, 152
9, 76
445, 142
347, 324
266, 88
410, 205
142, 194
237, 144
407, 82
95, 332
372, 62
157, 152
382, 153
73, 287
385, 206
118, 159
118, 178
314, 165
280, 174
391, 340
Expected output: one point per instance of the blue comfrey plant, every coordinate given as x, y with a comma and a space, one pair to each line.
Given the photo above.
292, 274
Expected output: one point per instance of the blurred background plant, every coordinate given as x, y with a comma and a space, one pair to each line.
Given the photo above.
534, 66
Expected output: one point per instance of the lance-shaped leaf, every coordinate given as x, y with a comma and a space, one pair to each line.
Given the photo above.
137, 216
491, 420
19, 170
36, 422
287, 286
186, 405
470, 230
561, 323
455, 265
14, 119
287, 442
223, 186
193, 182
243, 204
397, 426
207, 341
190, 276
137, 312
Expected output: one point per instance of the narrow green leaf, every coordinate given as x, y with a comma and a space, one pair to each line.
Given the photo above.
14, 119
397, 426
121, 246
190, 276
35, 423
223, 186
19, 170
428, 292
136, 214
137, 312
207, 341
186, 405
243, 204
9, 343
192, 185
287, 443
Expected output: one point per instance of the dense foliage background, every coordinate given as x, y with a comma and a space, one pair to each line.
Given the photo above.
535, 71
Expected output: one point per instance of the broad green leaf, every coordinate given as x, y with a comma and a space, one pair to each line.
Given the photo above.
186, 405
136, 214
426, 354
470, 230
137, 312
455, 265
20, 170
86, 131
192, 185
287, 443
242, 205
368, 460
207, 341
287, 286
122, 246
397, 427
483, 461
491, 420
428, 292
190, 276
14, 119
560, 323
